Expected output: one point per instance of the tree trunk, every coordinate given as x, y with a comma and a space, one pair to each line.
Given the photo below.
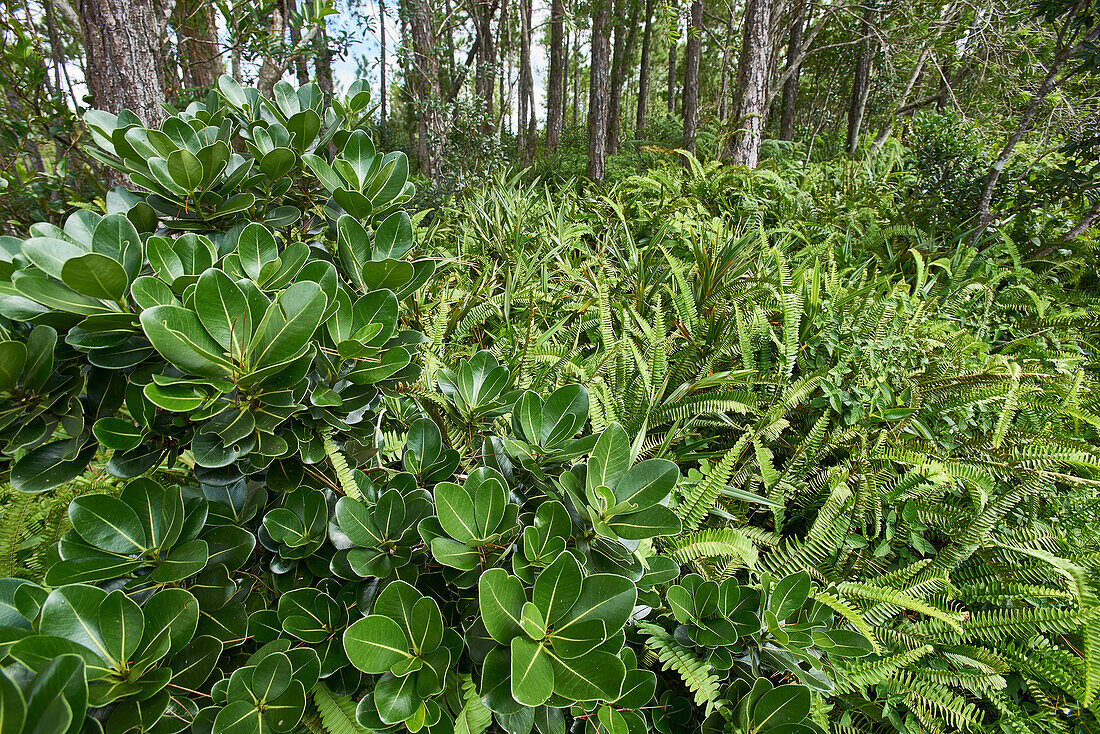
576, 76
723, 84
554, 100
425, 73
743, 146
270, 69
671, 95
888, 123
382, 66
123, 63
794, 66
620, 57
861, 81
1090, 218
526, 122
643, 70
301, 73
597, 90
691, 74
197, 34
484, 83
322, 62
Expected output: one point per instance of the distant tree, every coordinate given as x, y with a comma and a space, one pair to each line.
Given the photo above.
599, 68
692, 52
743, 145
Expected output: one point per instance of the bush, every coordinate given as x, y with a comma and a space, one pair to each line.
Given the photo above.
230, 337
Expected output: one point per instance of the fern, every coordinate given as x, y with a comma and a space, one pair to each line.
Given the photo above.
336, 713
692, 670
474, 718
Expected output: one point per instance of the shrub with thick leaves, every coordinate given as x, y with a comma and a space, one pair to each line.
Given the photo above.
227, 335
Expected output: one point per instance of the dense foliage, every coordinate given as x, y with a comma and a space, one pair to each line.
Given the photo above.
713, 449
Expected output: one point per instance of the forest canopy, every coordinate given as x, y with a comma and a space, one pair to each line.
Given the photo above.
602, 366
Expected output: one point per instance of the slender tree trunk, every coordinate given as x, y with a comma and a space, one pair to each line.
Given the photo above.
597, 90
794, 66
620, 57
643, 70
743, 146
576, 76
861, 81
322, 62
671, 95
724, 75
382, 67
123, 63
504, 35
526, 122
301, 73
565, 78
425, 73
888, 123
1090, 218
270, 70
691, 74
558, 62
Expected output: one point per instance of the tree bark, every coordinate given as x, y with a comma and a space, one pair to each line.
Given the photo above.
1090, 218
861, 81
743, 146
576, 76
425, 73
620, 57
526, 124
123, 61
723, 85
643, 70
199, 50
597, 90
692, 53
558, 61
794, 66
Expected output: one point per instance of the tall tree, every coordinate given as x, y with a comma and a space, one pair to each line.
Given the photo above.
794, 69
861, 79
558, 61
122, 56
743, 145
425, 78
621, 57
599, 67
526, 124
643, 70
576, 75
692, 52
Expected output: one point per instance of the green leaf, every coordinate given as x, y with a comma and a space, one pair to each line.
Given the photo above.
185, 169
108, 523
396, 698
256, 247
117, 434
610, 458
374, 643
789, 594
455, 509
178, 335
50, 254
649, 523
50, 465
557, 588
121, 626
394, 237
13, 357
783, 705
289, 324
645, 484
532, 674
596, 676
563, 415
605, 597
223, 310
97, 276
501, 598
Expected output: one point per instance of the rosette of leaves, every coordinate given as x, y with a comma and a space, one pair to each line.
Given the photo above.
403, 641
768, 708
297, 529
425, 456
361, 181
266, 694
618, 504
711, 614
378, 539
148, 531
474, 524
318, 617
474, 392
40, 393
559, 641
130, 652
